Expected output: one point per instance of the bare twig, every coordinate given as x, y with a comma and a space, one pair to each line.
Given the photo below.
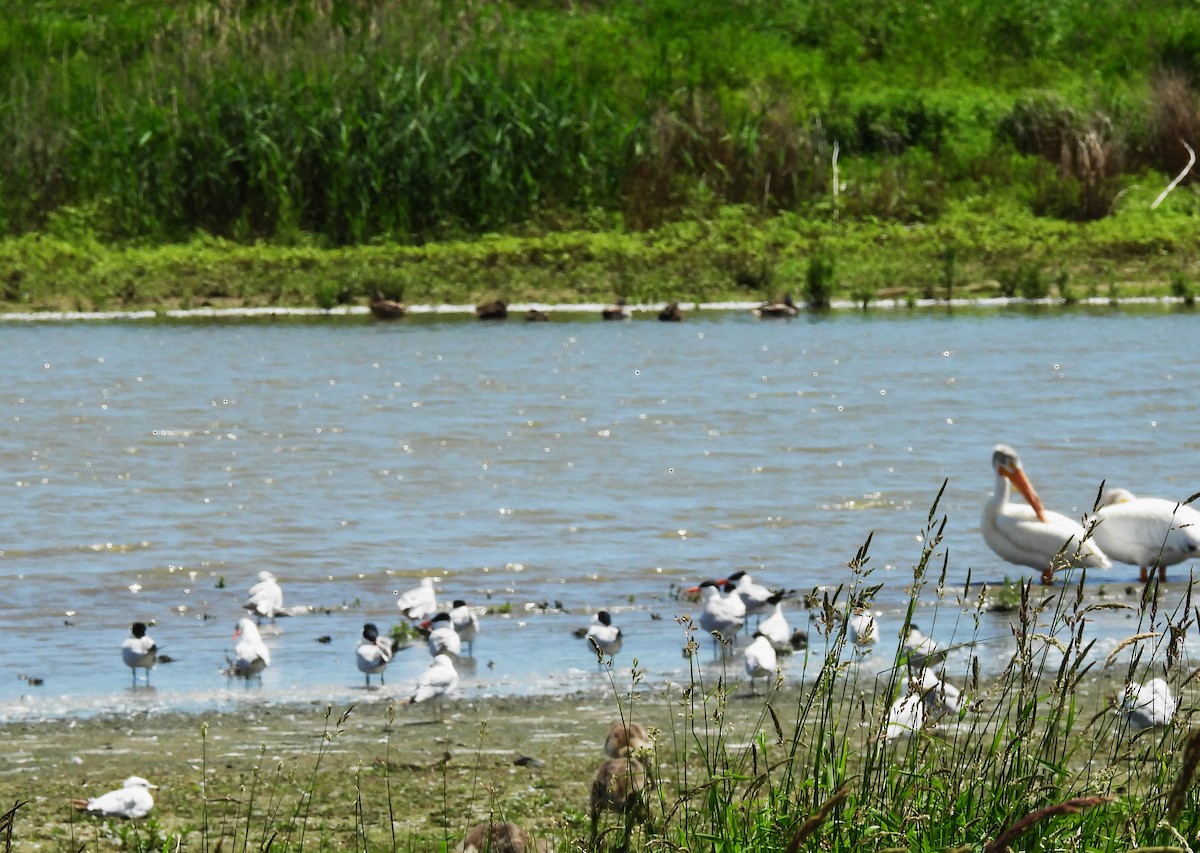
1191, 162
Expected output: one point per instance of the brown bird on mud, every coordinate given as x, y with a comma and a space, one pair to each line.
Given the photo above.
624, 739
619, 786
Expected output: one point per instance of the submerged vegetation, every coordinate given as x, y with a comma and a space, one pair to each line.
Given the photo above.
331, 149
1039, 757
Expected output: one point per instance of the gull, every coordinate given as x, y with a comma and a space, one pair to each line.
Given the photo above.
265, 598
775, 627
435, 683
419, 602
721, 615
1147, 705
921, 650
139, 651
603, 637
442, 639
760, 659
926, 700
373, 653
755, 597
131, 800
251, 655
862, 628
466, 624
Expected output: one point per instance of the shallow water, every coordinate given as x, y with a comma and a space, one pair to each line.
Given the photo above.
155, 467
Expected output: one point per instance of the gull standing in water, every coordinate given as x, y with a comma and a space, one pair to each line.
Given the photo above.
435, 683
139, 651
466, 624
443, 639
265, 598
1147, 705
251, 655
755, 597
1146, 532
419, 602
373, 653
132, 800
721, 615
603, 637
760, 659
1029, 535
775, 627
862, 628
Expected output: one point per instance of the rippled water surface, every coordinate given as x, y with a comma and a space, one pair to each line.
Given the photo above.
153, 468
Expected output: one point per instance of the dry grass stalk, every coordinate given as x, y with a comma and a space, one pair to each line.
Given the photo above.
1073, 806
817, 818
1187, 771
1129, 641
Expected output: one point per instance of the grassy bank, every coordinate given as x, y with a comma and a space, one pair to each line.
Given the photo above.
453, 150
729, 254
1037, 759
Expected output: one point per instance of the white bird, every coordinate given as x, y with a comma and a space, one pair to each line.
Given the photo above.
1029, 535
139, 651
775, 627
1147, 705
373, 653
251, 655
603, 637
862, 628
921, 650
940, 698
1146, 532
755, 597
131, 800
466, 624
925, 700
722, 614
760, 658
435, 683
419, 602
906, 716
442, 639
265, 597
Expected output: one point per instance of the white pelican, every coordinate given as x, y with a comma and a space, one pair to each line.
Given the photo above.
373, 653
603, 637
755, 597
435, 683
139, 651
1029, 535
775, 627
760, 658
1147, 705
624, 739
131, 800
619, 785
466, 623
722, 614
1146, 532
265, 597
251, 655
419, 602
443, 639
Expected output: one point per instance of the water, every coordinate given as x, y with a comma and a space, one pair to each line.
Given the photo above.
153, 468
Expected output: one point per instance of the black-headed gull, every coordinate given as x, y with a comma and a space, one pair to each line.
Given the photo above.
419, 602
1147, 705
603, 637
373, 653
251, 655
1146, 532
132, 800
435, 683
265, 598
926, 699
722, 612
139, 651
921, 650
755, 597
443, 639
775, 627
760, 659
862, 628
466, 624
